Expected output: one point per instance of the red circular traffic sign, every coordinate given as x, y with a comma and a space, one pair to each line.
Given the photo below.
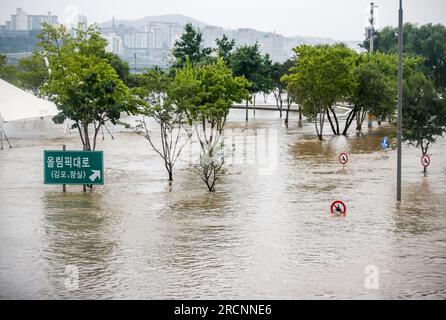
343, 158
338, 207
425, 160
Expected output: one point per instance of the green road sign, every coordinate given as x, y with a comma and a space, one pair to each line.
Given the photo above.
73, 167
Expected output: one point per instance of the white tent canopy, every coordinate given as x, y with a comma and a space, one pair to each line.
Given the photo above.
17, 104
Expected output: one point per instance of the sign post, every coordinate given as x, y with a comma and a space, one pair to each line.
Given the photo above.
73, 167
343, 159
64, 187
385, 143
425, 161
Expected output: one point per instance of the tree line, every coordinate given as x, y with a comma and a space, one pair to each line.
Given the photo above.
193, 96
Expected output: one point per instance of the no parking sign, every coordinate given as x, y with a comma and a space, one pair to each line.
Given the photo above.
425, 160
343, 158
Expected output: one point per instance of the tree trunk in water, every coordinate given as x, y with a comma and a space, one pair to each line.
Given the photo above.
281, 106
360, 117
300, 112
336, 120
370, 124
331, 122
287, 116
349, 121
254, 104
246, 110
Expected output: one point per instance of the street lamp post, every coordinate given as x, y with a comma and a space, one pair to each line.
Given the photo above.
400, 99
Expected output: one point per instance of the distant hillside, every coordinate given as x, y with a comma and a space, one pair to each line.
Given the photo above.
181, 19
169, 18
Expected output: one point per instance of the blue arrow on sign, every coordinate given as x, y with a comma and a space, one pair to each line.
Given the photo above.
385, 143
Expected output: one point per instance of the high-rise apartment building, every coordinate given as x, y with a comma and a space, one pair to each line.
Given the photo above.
21, 21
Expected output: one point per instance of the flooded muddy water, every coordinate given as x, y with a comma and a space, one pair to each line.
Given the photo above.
263, 234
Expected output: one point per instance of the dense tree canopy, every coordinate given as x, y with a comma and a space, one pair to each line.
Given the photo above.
321, 77
424, 111
427, 41
374, 88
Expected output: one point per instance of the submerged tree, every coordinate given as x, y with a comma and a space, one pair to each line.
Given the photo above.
320, 78
278, 70
164, 99
218, 90
372, 93
82, 83
424, 112
247, 62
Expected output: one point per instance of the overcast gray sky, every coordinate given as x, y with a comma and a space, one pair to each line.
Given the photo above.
337, 19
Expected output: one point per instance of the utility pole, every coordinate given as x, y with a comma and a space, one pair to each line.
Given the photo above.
371, 35
371, 29
400, 100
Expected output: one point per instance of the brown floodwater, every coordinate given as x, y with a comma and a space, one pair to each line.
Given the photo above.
260, 236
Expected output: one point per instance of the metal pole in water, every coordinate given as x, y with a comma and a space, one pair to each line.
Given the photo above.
400, 99
372, 47
64, 186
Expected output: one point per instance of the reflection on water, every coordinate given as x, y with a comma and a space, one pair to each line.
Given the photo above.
76, 234
258, 236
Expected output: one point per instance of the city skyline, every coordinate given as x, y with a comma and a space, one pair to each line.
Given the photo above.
289, 18
147, 42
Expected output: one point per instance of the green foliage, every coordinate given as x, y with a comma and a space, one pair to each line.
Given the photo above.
207, 93
220, 89
32, 73
278, 70
424, 111
247, 62
265, 75
225, 48
121, 67
160, 98
82, 83
8, 72
321, 77
426, 41
374, 89
190, 46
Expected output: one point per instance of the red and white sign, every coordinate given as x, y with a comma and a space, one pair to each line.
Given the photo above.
343, 158
338, 207
425, 160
